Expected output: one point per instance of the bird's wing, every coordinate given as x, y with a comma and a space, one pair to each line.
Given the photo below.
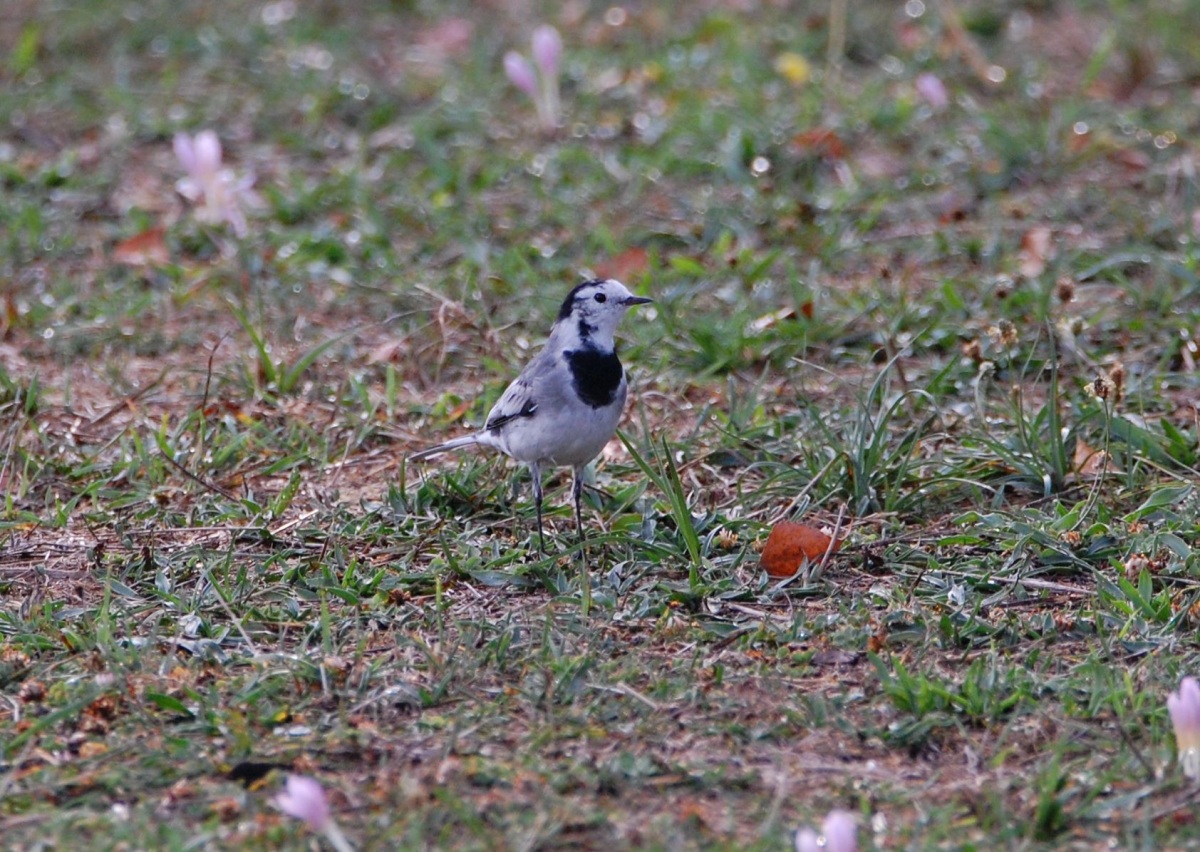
517, 401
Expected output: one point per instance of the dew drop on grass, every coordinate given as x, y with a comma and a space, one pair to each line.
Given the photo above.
914, 8
274, 14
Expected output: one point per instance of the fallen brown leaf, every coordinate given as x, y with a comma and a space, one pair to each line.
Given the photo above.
790, 545
390, 352
1091, 463
149, 248
1131, 158
819, 142
629, 264
1035, 249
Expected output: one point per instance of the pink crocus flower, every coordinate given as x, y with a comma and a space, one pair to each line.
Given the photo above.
838, 834
520, 71
540, 82
1184, 707
304, 798
217, 193
547, 49
932, 90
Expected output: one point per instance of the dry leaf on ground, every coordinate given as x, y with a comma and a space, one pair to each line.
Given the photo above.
149, 248
1091, 463
1035, 249
628, 266
790, 544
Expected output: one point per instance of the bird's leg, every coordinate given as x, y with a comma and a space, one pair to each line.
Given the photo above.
585, 579
577, 494
536, 471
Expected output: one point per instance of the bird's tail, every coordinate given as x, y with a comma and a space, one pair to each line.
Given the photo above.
465, 441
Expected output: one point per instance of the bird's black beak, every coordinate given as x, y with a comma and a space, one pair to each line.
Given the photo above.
636, 300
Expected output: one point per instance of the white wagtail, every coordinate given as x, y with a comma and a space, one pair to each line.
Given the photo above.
565, 405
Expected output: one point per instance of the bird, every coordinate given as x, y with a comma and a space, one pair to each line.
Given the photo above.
565, 405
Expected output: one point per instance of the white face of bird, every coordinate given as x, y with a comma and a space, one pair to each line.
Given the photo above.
594, 309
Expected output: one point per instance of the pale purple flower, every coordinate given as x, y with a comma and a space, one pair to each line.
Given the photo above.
217, 193
838, 834
540, 82
304, 798
932, 90
841, 832
520, 71
807, 840
547, 50
200, 156
1184, 707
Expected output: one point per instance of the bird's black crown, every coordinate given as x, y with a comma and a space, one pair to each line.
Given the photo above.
569, 302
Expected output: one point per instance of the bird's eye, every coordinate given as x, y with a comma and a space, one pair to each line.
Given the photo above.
600, 297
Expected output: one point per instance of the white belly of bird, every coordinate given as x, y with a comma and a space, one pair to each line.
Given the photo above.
576, 447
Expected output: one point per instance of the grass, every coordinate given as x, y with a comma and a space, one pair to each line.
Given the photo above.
967, 334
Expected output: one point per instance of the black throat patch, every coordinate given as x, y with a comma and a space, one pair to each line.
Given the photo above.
596, 375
